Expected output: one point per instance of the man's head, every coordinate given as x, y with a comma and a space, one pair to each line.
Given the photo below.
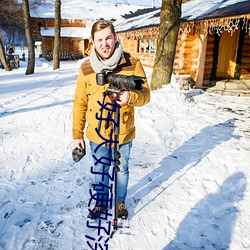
104, 38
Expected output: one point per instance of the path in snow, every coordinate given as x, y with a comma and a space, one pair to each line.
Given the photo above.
189, 170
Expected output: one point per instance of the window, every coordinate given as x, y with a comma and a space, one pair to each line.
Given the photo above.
146, 45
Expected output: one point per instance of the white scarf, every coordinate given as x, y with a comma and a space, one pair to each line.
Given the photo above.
98, 64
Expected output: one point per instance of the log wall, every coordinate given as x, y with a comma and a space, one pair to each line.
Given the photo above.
187, 59
50, 22
74, 45
131, 46
186, 56
245, 60
209, 57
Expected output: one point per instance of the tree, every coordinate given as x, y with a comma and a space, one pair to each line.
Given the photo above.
11, 19
168, 34
3, 57
56, 59
10, 24
29, 39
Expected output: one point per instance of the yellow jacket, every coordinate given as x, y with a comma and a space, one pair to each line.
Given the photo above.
86, 108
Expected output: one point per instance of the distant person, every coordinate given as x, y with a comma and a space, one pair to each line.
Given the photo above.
11, 50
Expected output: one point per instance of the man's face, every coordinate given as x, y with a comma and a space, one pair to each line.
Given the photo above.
104, 42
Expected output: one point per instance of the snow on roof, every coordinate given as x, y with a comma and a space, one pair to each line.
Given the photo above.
79, 32
197, 9
145, 20
85, 10
192, 10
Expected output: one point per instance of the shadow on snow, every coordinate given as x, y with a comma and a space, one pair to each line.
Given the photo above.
210, 223
190, 153
23, 110
215, 220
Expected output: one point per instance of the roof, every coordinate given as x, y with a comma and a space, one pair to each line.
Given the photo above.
193, 10
208, 9
231, 10
146, 20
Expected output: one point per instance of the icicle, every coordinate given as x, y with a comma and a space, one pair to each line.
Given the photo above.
216, 25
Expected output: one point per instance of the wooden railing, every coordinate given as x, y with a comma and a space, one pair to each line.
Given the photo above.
64, 55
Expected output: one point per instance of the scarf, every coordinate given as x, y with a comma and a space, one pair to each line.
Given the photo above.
98, 64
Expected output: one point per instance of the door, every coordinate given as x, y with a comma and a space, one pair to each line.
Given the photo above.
227, 55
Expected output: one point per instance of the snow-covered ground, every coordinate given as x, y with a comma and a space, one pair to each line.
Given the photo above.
189, 168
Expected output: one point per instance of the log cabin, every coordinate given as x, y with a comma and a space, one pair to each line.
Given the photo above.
213, 41
74, 37
77, 17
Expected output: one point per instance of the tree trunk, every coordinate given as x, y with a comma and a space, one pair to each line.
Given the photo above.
168, 34
3, 57
56, 59
28, 33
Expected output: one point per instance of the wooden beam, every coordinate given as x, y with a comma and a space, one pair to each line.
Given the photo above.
201, 60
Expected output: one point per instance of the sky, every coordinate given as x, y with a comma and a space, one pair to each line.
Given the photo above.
189, 168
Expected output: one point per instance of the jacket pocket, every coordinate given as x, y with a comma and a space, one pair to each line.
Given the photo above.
127, 120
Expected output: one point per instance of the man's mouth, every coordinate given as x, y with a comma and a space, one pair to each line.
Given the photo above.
105, 50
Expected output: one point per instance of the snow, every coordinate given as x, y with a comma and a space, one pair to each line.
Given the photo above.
155, 3
197, 9
189, 168
192, 10
84, 33
91, 10
145, 20
86, 10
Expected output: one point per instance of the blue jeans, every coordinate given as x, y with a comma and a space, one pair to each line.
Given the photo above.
103, 154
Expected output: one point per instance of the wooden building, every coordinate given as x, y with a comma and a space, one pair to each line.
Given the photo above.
77, 19
212, 45
74, 36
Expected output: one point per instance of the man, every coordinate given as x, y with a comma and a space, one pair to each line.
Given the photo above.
108, 54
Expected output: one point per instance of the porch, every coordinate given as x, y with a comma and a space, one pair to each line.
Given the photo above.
231, 87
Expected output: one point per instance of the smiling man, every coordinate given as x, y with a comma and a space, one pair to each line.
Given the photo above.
107, 54
104, 41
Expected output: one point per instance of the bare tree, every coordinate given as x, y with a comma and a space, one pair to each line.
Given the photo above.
11, 16
168, 34
3, 57
28, 33
56, 59
11, 24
